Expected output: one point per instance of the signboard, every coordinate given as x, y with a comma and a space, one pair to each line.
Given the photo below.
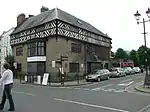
82, 65
15, 65
25, 79
53, 64
45, 78
61, 71
39, 80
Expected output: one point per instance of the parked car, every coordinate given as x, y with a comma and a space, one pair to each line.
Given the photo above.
129, 70
117, 72
99, 75
137, 69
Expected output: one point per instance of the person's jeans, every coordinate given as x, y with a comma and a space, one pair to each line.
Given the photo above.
7, 94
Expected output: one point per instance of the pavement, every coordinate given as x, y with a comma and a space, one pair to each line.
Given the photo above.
105, 96
69, 83
141, 88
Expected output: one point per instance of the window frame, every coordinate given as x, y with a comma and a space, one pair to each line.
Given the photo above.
75, 69
75, 47
19, 51
37, 48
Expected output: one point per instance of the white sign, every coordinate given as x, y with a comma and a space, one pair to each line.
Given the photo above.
53, 64
61, 71
45, 78
82, 65
15, 65
25, 79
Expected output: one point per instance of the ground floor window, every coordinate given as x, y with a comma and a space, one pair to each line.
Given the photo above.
74, 67
92, 67
36, 68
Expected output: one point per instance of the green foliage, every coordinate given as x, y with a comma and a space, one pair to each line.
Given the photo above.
138, 57
121, 54
141, 55
134, 57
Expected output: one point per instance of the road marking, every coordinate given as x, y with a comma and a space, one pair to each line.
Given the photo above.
96, 90
125, 80
76, 88
90, 105
89, 84
64, 87
23, 93
143, 109
102, 87
119, 91
126, 84
87, 89
109, 90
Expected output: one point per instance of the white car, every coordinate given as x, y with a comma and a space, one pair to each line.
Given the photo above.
129, 70
136, 69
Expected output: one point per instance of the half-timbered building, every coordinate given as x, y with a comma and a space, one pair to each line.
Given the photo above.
39, 40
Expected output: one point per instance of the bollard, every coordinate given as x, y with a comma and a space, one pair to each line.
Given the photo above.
39, 79
25, 78
63, 79
78, 78
20, 78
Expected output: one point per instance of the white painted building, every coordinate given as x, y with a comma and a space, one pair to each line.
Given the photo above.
5, 48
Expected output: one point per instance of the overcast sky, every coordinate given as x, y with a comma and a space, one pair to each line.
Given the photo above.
114, 17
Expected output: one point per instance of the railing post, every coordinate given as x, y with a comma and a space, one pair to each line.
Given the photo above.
77, 77
49, 79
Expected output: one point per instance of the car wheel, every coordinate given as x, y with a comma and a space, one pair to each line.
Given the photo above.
98, 79
87, 80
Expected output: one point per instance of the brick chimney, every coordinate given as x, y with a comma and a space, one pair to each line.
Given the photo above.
30, 15
43, 9
21, 18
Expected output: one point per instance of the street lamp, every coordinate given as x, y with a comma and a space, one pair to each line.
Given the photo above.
137, 16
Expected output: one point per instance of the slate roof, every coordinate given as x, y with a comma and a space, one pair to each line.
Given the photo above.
53, 14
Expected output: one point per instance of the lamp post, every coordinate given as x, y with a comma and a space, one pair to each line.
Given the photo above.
137, 16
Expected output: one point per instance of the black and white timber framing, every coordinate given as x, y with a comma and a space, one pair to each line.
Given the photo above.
60, 28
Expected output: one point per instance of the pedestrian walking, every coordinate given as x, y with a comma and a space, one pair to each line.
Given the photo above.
7, 81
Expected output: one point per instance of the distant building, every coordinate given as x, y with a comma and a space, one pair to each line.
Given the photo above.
39, 40
5, 47
121, 63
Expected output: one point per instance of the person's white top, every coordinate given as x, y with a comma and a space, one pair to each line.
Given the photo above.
7, 77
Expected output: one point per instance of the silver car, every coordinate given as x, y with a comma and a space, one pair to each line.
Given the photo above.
99, 75
117, 72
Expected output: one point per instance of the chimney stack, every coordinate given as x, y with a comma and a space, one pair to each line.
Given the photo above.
43, 9
30, 15
21, 18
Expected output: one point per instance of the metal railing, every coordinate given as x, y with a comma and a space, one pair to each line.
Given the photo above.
57, 78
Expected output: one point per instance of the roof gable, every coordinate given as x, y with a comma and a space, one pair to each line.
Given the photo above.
53, 14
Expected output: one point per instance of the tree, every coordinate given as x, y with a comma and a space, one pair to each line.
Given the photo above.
134, 56
148, 56
121, 54
10, 59
141, 55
